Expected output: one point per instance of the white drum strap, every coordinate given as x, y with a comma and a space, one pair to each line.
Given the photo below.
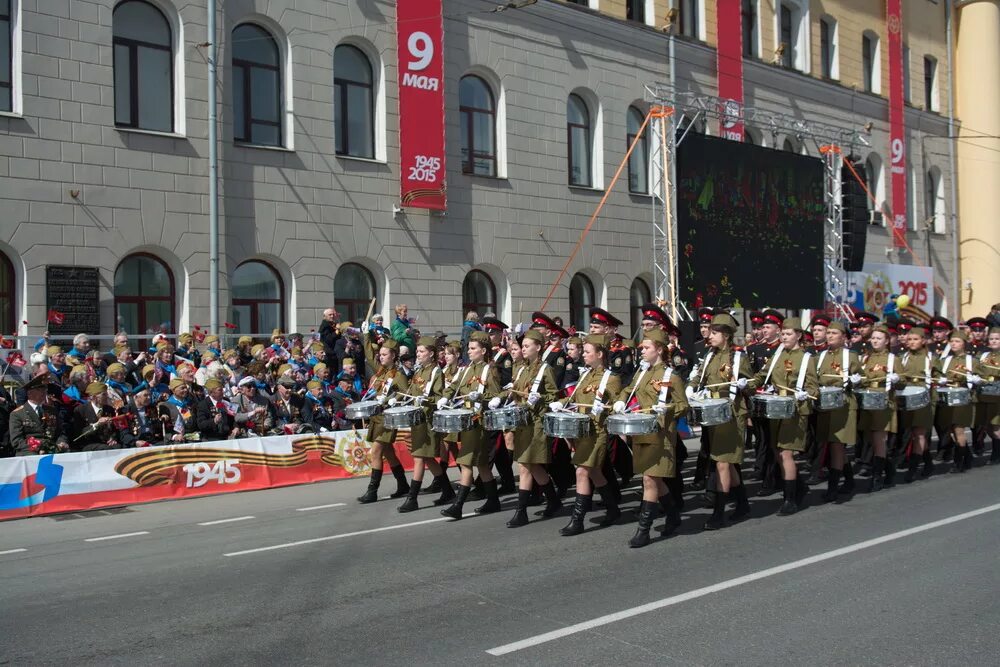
520, 369
579, 381
946, 365
968, 369
460, 381
603, 386
427, 389
802, 372
888, 372
664, 386
736, 374
538, 378
387, 384
984, 357
704, 367
927, 370
482, 376
774, 362
496, 357
846, 364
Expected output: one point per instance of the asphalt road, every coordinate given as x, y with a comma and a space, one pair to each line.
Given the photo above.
908, 576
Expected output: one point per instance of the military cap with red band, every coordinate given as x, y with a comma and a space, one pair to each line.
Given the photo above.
493, 324
941, 323
601, 316
977, 323
539, 318
756, 318
705, 315
772, 316
820, 321
865, 318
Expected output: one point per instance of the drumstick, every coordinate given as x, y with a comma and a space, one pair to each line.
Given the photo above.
790, 389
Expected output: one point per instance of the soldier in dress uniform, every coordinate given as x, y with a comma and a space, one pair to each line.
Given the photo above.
93, 421
767, 466
988, 409
387, 381
978, 327
503, 366
838, 367
866, 322
215, 417
818, 327
619, 359
700, 346
656, 388
756, 323
790, 373
920, 367
941, 328
816, 450
35, 423
903, 326
958, 369
561, 465
880, 368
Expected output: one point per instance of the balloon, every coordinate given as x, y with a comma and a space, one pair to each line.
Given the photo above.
903, 301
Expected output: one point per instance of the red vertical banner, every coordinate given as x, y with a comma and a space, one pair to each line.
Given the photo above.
419, 41
729, 18
897, 122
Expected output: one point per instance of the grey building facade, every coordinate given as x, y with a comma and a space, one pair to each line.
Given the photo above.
86, 182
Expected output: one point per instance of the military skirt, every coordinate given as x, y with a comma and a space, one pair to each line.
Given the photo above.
789, 434
988, 411
423, 441
655, 454
591, 450
531, 445
840, 425
377, 432
948, 416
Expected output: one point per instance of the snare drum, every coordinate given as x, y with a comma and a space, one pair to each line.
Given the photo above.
403, 416
770, 406
451, 421
362, 410
953, 397
505, 419
830, 398
869, 399
631, 424
913, 398
712, 411
570, 425
989, 389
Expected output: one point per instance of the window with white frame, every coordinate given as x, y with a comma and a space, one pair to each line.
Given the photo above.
584, 140
871, 63
792, 31
354, 102
829, 48
931, 84
257, 86
875, 182
143, 43
907, 81
934, 200
690, 18
748, 9
9, 54
638, 161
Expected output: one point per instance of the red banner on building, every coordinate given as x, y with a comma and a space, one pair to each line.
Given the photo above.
420, 35
897, 122
729, 17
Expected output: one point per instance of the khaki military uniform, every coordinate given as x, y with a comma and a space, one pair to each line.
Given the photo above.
957, 366
875, 366
473, 448
916, 372
988, 407
385, 382
655, 454
428, 383
531, 445
790, 434
840, 425
726, 441
591, 449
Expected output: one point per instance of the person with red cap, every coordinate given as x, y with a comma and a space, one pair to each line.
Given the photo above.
920, 367
958, 370
619, 359
756, 322
818, 327
503, 363
988, 409
941, 328
767, 467
553, 354
978, 327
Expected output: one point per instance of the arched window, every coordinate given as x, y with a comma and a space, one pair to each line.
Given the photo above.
578, 142
143, 67
7, 301
581, 300
256, 86
479, 293
353, 290
477, 112
144, 295
353, 102
638, 296
873, 178
258, 298
638, 162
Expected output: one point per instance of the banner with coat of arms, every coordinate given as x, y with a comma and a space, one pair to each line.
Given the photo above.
870, 290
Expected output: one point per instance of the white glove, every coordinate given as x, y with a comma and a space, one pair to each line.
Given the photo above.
442, 403
475, 395
597, 409
494, 403
693, 375
742, 383
533, 398
508, 386
391, 402
973, 378
660, 409
381, 400
618, 407
801, 395
418, 401
856, 379
893, 378
689, 392
942, 381
323, 429
555, 406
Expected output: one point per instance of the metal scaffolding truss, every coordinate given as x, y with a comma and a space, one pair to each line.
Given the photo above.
674, 114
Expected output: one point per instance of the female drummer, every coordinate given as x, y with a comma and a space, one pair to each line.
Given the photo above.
387, 381
534, 388
790, 372
595, 384
919, 368
476, 384
879, 368
427, 387
959, 369
655, 388
838, 366
447, 442
988, 409
724, 373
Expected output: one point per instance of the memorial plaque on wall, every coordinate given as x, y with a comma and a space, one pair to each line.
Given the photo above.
72, 291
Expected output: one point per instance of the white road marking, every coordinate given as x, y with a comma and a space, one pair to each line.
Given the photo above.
341, 536
218, 521
116, 537
731, 583
11, 551
319, 507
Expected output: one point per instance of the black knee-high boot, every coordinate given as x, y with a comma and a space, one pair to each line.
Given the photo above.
675, 485
878, 469
718, 518
410, 503
847, 487
647, 513
610, 500
995, 454
492, 503
402, 486
832, 482
739, 494
580, 509
455, 511
928, 459
447, 490
552, 502
520, 517
672, 513
790, 506
371, 495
